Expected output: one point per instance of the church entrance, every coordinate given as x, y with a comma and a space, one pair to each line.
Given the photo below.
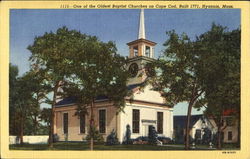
145, 126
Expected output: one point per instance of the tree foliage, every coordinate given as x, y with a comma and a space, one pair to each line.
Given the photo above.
82, 65
24, 106
176, 76
202, 72
97, 71
219, 71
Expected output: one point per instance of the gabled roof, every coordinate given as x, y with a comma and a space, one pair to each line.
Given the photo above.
180, 121
66, 101
72, 100
132, 86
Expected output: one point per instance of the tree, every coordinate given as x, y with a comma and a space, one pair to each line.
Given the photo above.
49, 59
39, 92
45, 116
21, 102
13, 96
97, 70
176, 75
219, 71
84, 66
204, 72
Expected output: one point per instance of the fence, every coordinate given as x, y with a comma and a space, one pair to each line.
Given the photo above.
29, 139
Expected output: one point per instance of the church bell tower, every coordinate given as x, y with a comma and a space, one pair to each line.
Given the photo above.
141, 54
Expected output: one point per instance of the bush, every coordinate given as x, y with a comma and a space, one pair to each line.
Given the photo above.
93, 132
112, 138
140, 140
152, 136
206, 139
128, 139
55, 138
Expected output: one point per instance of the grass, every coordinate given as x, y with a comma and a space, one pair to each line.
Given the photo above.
99, 147
84, 146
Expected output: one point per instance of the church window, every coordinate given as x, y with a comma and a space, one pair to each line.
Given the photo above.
135, 50
136, 120
65, 123
147, 51
160, 122
82, 123
102, 121
230, 135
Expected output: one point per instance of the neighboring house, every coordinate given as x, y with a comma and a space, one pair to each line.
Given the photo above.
199, 127
230, 132
230, 127
147, 107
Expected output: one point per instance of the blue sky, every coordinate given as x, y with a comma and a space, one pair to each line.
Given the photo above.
120, 26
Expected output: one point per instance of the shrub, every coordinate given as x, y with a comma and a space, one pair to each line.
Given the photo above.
55, 138
152, 136
112, 138
93, 132
206, 139
140, 140
128, 139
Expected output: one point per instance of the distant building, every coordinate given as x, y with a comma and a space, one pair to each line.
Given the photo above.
147, 107
198, 126
230, 127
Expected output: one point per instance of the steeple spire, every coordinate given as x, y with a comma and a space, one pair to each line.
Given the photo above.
141, 34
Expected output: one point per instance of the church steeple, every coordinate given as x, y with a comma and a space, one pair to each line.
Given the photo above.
141, 34
141, 47
141, 54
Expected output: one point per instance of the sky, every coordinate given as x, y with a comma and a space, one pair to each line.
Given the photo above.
117, 25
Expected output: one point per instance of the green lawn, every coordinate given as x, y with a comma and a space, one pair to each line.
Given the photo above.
84, 146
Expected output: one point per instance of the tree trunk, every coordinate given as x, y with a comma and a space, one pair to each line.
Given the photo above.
21, 130
239, 131
35, 125
51, 135
219, 134
190, 105
91, 126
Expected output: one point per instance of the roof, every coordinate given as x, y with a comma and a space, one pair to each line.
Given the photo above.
66, 101
72, 100
132, 86
142, 40
228, 112
180, 121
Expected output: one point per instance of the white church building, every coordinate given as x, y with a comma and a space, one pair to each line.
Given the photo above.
147, 107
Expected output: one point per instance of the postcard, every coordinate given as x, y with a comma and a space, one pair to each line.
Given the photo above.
124, 79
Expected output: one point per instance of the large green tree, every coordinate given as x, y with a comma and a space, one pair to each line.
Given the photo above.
83, 65
13, 96
219, 71
98, 71
22, 107
204, 72
50, 53
176, 75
